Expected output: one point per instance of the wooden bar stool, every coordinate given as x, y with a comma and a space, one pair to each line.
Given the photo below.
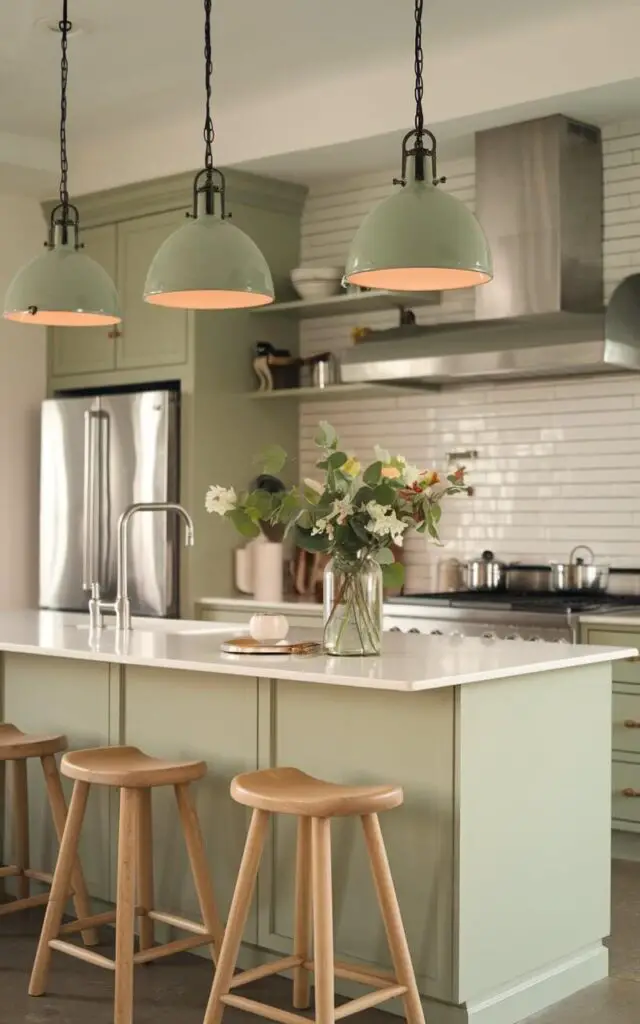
17, 747
134, 774
289, 791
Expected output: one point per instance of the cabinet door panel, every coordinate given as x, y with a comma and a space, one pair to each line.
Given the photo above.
627, 671
151, 335
88, 349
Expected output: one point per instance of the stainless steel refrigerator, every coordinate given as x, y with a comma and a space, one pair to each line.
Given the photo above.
99, 454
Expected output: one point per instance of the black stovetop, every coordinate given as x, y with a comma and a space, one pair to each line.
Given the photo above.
534, 601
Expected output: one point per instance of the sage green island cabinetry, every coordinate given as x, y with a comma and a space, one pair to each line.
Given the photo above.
622, 630
503, 876
208, 353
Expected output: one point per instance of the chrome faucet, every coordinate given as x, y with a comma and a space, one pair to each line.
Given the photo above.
122, 606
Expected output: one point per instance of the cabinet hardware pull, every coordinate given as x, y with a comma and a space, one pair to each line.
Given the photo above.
115, 333
630, 792
636, 657
631, 724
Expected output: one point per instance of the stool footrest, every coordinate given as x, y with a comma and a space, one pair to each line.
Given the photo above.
368, 1000
175, 921
265, 970
360, 973
81, 953
264, 1010
169, 948
29, 901
82, 924
10, 870
37, 876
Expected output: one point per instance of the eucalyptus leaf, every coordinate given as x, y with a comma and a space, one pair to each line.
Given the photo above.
273, 458
243, 523
337, 459
261, 502
384, 556
384, 494
393, 575
317, 542
360, 532
373, 474
326, 436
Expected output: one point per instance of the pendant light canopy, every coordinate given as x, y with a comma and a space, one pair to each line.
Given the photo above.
63, 287
209, 263
420, 238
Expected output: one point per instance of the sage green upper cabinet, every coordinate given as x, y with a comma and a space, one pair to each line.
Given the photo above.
88, 349
149, 335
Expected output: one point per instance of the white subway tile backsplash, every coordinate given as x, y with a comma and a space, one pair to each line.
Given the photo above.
559, 461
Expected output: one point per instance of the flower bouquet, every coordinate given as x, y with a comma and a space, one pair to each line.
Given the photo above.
354, 514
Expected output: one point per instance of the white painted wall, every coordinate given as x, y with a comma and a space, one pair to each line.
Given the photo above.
22, 388
559, 461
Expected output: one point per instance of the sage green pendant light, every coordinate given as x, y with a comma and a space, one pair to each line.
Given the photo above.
209, 263
63, 287
420, 238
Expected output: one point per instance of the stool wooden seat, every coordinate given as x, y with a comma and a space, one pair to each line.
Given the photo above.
290, 791
17, 747
128, 766
134, 773
16, 744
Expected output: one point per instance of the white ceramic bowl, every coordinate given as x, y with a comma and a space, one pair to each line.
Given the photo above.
317, 282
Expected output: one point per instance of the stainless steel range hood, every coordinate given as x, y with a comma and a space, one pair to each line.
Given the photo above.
539, 199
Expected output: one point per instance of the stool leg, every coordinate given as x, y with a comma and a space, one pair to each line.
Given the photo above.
145, 868
322, 919
392, 919
237, 915
125, 907
199, 867
20, 821
302, 924
58, 806
67, 856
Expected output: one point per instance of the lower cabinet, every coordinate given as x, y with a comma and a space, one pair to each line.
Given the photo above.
75, 698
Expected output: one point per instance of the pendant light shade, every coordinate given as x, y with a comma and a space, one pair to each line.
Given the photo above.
63, 287
209, 263
420, 238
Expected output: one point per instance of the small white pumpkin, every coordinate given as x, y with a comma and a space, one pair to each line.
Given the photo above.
268, 628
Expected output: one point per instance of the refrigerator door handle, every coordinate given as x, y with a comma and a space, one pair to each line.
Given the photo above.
89, 533
104, 508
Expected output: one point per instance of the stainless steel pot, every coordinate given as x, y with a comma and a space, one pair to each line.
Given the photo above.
528, 579
578, 575
484, 573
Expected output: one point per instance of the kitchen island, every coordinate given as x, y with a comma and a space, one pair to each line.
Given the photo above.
501, 852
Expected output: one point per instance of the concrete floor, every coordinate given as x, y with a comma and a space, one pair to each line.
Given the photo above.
175, 991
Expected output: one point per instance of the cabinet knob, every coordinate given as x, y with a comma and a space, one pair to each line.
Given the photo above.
630, 792
636, 657
114, 333
631, 724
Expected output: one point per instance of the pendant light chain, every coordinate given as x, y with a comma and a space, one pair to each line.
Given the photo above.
418, 65
65, 27
209, 133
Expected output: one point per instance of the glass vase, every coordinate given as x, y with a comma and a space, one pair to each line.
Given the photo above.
352, 607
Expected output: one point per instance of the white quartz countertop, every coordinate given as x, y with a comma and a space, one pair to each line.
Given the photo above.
409, 663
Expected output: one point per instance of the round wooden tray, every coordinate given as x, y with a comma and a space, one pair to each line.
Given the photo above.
247, 645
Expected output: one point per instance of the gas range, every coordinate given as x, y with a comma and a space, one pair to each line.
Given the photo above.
501, 614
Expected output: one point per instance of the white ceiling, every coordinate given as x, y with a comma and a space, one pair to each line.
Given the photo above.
141, 57
138, 64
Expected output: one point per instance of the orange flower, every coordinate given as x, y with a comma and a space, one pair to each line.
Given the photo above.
390, 472
429, 479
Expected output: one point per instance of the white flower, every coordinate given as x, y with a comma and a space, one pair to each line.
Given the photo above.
341, 509
381, 454
410, 474
313, 485
220, 499
384, 522
323, 526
